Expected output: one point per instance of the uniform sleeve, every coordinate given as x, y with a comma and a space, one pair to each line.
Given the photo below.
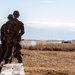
2, 32
6, 27
22, 29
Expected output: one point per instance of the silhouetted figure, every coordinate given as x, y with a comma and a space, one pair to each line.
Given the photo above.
17, 53
3, 38
14, 30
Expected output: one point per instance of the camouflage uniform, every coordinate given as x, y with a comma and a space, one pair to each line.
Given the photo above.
13, 38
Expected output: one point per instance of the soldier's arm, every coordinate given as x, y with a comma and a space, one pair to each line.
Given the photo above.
6, 27
2, 32
22, 29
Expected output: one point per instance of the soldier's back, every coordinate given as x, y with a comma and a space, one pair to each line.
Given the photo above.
13, 26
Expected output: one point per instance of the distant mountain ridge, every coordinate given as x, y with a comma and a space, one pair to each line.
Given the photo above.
48, 33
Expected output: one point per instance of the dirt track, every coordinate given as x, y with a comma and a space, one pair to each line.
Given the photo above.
48, 62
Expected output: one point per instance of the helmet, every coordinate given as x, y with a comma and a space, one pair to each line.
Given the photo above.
10, 16
16, 13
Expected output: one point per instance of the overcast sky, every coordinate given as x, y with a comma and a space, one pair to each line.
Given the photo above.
43, 14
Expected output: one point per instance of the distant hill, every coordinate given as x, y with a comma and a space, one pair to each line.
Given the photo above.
48, 33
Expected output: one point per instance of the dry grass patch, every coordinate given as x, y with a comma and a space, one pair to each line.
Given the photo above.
47, 45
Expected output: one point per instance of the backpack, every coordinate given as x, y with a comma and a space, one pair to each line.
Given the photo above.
13, 27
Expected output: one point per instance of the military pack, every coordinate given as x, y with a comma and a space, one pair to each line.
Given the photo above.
12, 27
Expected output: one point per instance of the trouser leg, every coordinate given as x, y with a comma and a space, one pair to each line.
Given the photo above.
8, 53
2, 52
18, 53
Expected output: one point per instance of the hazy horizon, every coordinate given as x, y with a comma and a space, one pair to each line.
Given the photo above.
48, 33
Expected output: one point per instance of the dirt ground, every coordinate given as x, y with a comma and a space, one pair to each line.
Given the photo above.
48, 62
